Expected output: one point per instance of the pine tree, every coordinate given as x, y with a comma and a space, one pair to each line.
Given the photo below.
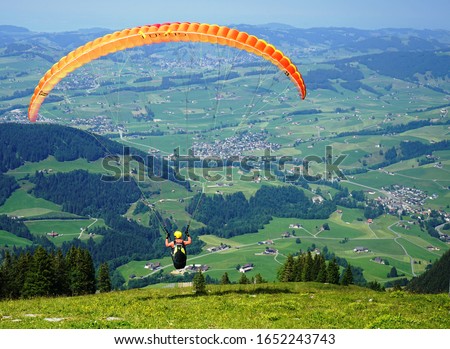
104, 280
225, 279
347, 277
61, 280
259, 279
308, 268
393, 273
322, 274
88, 272
74, 273
2, 282
243, 279
39, 278
199, 283
22, 265
333, 272
316, 266
7, 277
287, 271
376, 286
72, 270
298, 268
81, 271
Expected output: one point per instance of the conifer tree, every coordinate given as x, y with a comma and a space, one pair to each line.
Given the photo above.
315, 266
39, 278
393, 273
308, 267
199, 283
243, 279
88, 272
225, 279
7, 276
333, 272
2, 282
322, 266
104, 280
299, 262
376, 286
74, 272
61, 279
81, 271
287, 271
347, 277
22, 265
259, 279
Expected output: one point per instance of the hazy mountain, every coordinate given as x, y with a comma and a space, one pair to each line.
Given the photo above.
279, 34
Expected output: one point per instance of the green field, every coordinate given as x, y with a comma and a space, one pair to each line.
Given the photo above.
263, 306
68, 229
23, 204
348, 228
52, 165
404, 249
8, 239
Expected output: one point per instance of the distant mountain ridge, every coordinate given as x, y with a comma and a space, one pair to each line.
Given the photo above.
277, 33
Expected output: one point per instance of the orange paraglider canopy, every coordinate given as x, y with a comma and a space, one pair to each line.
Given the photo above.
155, 34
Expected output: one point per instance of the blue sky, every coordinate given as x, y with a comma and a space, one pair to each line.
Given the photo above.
55, 16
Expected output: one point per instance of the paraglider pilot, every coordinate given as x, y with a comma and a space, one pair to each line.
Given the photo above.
178, 246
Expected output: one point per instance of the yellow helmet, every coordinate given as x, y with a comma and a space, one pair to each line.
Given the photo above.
178, 234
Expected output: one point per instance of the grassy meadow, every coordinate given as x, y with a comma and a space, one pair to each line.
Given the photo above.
264, 306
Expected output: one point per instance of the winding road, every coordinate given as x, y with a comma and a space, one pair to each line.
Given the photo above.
398, 236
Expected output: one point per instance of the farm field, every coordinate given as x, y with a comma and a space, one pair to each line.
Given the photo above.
404, 249
67, 229
407, 250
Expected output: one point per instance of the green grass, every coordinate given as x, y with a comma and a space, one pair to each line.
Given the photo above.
21, 203
10, 239
266, 306
68, 228
56, 166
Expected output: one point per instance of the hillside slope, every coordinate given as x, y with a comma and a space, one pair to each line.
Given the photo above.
35, 142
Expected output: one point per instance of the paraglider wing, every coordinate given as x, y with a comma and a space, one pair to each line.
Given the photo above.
160, 33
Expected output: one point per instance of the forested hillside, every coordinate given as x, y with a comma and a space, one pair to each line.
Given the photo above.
434, 280
7, 186
393, 64
232, 215
26, 142
86, 194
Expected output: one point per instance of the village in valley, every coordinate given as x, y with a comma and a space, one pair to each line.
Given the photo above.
234, 146
401, 199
